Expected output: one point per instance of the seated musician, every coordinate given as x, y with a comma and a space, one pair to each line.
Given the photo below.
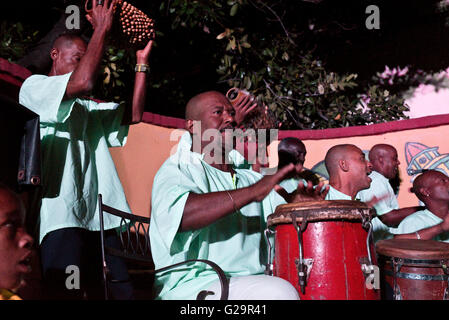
432, 223
206, 207
385, 163
348, 175
15, 244
348, 172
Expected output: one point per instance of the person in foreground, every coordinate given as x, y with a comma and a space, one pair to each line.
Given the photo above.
15, 244
205, 207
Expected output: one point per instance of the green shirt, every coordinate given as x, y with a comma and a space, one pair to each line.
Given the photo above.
235, 242
77, 165
380, 187
420, 220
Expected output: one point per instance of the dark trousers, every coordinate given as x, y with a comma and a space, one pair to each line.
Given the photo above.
69, 252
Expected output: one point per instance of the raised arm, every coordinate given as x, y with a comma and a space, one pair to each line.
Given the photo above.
134, 113
84, 76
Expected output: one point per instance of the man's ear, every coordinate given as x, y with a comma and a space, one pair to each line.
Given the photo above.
54, 53
343, 164
424, 192
189, 126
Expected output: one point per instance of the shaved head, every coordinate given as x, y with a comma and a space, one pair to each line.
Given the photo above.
66, 40
348, 169
424, 182
335, 154
380, 150
384, 158
207, 111
196, 105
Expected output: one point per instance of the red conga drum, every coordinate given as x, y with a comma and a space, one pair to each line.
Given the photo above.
414, 269
325, 249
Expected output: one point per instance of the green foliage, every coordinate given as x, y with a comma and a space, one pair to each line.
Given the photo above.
116, 71
295, 86
14, 40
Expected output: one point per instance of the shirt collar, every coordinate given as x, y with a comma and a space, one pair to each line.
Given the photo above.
336, 194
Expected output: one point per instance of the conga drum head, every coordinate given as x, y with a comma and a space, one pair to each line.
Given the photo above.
320, 211
413, 249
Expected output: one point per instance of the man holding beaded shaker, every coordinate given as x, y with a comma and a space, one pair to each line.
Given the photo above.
76, 133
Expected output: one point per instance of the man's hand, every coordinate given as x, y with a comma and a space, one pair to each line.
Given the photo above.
243, 108
101, 16
264, 186
304, 192
375, 200
143, 55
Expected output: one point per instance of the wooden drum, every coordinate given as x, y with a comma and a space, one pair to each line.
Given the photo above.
414, 269
325, 249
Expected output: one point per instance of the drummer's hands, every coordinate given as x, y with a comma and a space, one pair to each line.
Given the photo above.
304, 192
375, 200
101, 16
265, 185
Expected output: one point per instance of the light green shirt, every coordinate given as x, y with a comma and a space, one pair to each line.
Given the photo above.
380, 230
334, 194
380, 187
235, 242
420, 220
77, 165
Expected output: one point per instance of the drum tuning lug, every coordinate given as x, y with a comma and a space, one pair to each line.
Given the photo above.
269, 265
269, 269
303, 272
371, 274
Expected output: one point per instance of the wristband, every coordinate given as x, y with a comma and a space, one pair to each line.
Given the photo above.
233, 202
142, 68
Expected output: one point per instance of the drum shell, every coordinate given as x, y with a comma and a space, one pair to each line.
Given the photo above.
414, 289
337, 249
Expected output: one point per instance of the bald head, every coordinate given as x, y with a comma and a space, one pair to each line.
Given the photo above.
348, 169
430, 185
336, 154
198, 103
384, 158
66, 40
